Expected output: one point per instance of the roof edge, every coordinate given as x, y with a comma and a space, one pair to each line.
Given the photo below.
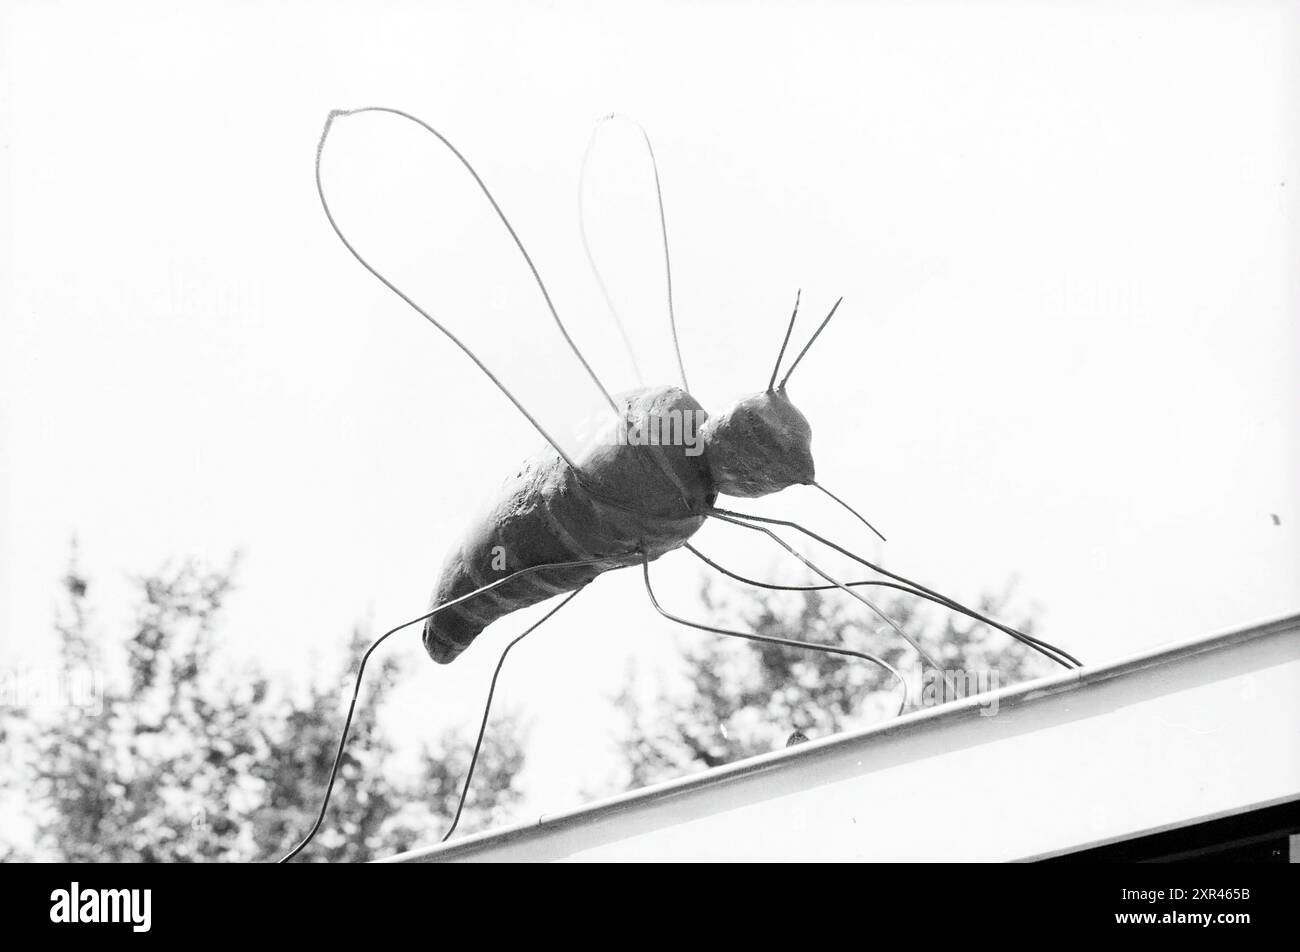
1020, 694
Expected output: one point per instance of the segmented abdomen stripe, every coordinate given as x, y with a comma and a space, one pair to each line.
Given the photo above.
465, 611
492, 596
545, 588
488, 606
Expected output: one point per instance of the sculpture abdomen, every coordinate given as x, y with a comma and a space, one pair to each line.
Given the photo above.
633, 497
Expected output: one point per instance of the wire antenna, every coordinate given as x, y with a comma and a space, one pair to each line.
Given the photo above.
771, 384
320, 189
811, 340
663, 232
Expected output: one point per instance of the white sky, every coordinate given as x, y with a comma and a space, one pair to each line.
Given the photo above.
1066, 235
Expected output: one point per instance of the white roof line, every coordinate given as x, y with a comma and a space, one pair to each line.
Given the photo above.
919, 722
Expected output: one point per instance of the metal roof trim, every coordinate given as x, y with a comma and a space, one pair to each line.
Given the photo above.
926, 721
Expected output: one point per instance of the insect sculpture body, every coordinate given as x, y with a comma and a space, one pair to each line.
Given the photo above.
628, 500
561, 520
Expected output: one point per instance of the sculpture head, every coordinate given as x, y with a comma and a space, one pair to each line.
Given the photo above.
759, 445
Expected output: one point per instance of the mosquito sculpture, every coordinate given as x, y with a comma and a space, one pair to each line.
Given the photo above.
625, 500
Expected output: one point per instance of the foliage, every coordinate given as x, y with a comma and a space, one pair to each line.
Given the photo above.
180, 760
742, 698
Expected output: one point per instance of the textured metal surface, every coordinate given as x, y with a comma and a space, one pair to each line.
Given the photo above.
1193, 731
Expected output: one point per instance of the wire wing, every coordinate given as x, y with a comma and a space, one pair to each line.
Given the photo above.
391, 203
624, 230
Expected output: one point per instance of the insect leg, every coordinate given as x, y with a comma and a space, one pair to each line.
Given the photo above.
773, 640
361, 670
919, 593
925, 655
1056, 654
791, 588
487, 709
